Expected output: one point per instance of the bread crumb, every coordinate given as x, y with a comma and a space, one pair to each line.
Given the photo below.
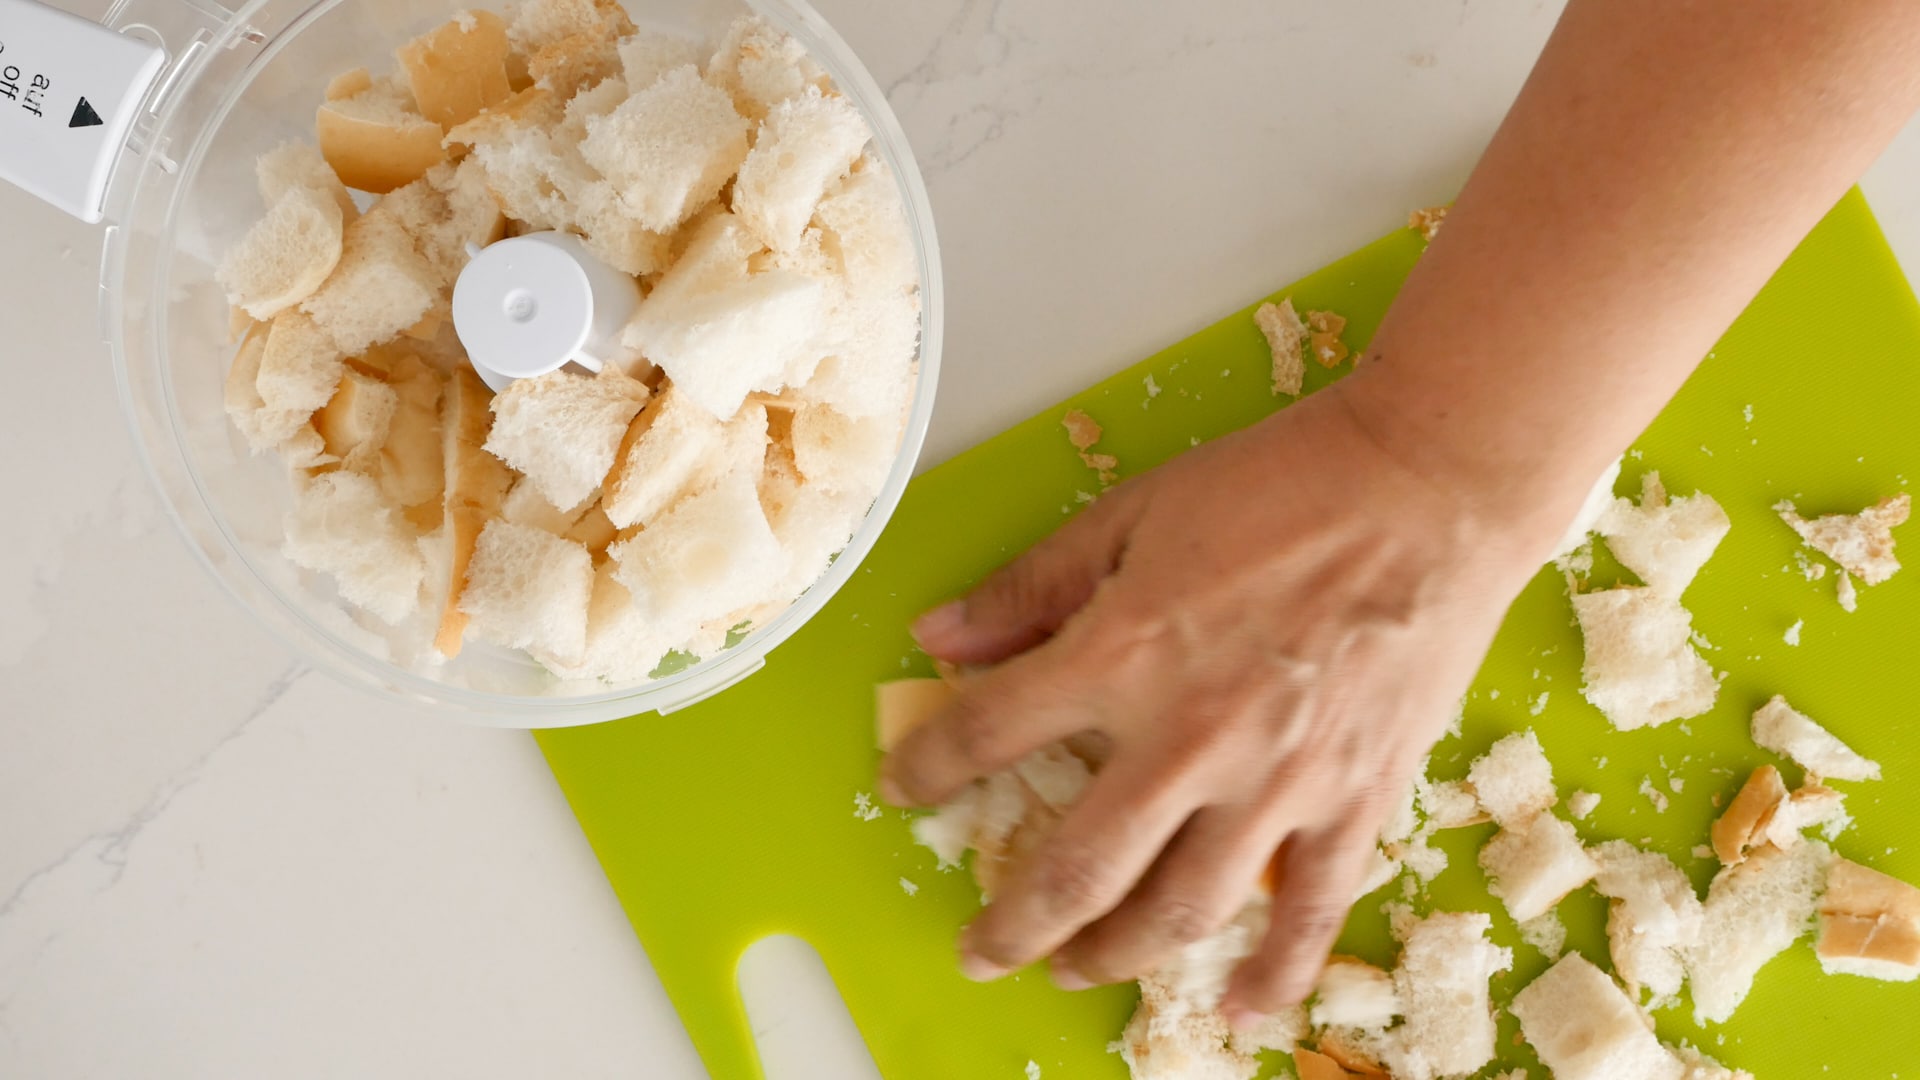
1654, 795
1539, 704
908, 887
1324, 341
864, 808
1581, 803
1676, 784
1033, 1070
1844, 592
1545, 933
1861, 543
1286, 337
1702, 851
1428, 221
1792, 636
1153, 388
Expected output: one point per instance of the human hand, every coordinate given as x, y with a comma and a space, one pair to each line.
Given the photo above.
1270, 632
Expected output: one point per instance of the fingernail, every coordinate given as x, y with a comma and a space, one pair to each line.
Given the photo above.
979, 968
941, 623
891, 794
1241, 1019
1066, 977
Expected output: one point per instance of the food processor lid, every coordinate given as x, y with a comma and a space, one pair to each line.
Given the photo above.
70, 91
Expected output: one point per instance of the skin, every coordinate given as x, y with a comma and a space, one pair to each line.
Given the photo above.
1272, 631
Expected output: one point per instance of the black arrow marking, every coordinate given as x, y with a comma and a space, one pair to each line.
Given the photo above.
84, 116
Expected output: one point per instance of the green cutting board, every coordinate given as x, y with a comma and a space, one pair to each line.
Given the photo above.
735, 819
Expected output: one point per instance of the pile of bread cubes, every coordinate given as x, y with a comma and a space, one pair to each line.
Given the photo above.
1433, 1015
599, 522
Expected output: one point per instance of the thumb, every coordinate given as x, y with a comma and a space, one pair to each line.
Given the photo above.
1026, 601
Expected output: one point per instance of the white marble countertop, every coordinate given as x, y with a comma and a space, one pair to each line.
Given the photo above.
215, 864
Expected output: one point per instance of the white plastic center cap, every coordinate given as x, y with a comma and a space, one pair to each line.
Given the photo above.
533, 304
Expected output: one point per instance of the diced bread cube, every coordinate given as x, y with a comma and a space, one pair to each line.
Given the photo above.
375, 141
1641, 669
445, 211
476, 486
1445, 964
341, 526
594, 531
1743, 825
867, 223
1869, 925
721, 345
458, 70
286, 255
1753, 912
868, 364
812, 524
1664, 541
1652, 918
538, 23
670, 147
562, 430
1861, 543
1453, 804
575, 63
1794, 735
903, 705
647, 55
761, 66
354, 425
299, 370
1810, 806
622, 647
1585, 1028
842, 454
263, 428
295, 165
711, 554
612, 234
1513, 781
806, 145
529, 589
1354, 993
668, 451
1533, 865
381, 288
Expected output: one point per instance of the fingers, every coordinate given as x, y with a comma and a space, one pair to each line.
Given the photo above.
1201, 881
996, 718
1319, 872
1102, 847
1028, 600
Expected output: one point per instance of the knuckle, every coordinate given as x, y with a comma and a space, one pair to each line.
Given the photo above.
1075, 880
1181, 922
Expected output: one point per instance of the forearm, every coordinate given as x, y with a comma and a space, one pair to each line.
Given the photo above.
1662, 161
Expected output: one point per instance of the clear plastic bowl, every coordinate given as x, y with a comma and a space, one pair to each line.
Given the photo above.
245, 82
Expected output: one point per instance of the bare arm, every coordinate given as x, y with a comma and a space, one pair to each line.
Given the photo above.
1272, 630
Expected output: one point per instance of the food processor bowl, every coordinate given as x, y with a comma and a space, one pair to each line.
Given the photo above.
241, 83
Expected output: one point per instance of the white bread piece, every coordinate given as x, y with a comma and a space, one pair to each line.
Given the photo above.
241, 394
532, 168
1795, 736
1585, 1028
380, 289
1532, 865
1701, 1067
1281, 1031
575, 63
760, 66
562, 429
286, 255
649, 54
341, 526
1869, 925
663, 455
295, 165
525, 505
902, 705
476, 486
299, 370
1599, 501
864, 222
711, 554
1753, 912
1354, 993
443, 212
1546, 933
1861, 543
348, 83
1513, 781
1810, 806
1581, 803
1664, 541
670, 147
1641, 669
712, 252
376, 141
612, 234
1743, 825
305, 449
811, 524
413, 472
1286, 337
539, 23
806, 145
1652, 919
843, 454
1402, 819
354, 425
594, 531
1445, 963
724, 344
868, 360
459, 69
1163, 1042
529, 589
1453, 804
1381, 868
948, 832
621, 646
